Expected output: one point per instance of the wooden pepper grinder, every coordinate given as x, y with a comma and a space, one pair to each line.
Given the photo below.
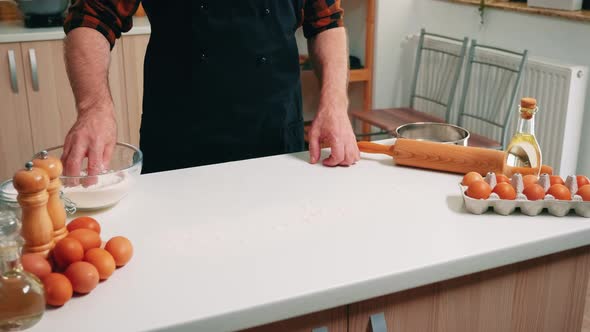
55, 206
37, 230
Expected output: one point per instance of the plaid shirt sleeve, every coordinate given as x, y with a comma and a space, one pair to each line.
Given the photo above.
109, 17
321, 15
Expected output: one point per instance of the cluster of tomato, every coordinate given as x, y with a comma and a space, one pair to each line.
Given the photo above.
478, 188
78, 262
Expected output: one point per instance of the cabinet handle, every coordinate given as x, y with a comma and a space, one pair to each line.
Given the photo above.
320, 329
34, 69
12, 68
378, 323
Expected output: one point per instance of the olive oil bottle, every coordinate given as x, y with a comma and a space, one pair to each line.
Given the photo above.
523, 154
22, 297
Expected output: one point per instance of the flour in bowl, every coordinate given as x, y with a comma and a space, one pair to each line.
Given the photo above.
108, 190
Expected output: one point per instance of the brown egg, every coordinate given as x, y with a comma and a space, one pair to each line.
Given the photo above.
505, 191
529, 180
584, 192
479, 190
582, 180
471, 177
67, 251
534, 192
502, 178
556, 179
36, 264
83, 276
560, 192
121, 250
84, 223
89, 239
58, 289
102, 260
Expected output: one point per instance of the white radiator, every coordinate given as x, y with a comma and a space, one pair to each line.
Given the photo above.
560, 90
561, 93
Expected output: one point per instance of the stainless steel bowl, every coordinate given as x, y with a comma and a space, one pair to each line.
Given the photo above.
434, 132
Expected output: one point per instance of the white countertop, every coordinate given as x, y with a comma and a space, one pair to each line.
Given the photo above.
239, 244
15, 31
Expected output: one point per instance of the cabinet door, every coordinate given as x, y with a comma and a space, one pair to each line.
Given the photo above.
541, 295
408, 311
52, 106
134, 48
16, 146
332, 320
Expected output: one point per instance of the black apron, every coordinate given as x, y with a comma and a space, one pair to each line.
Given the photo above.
221, 83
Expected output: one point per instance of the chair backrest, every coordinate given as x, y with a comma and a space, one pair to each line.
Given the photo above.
439, 60
492, 80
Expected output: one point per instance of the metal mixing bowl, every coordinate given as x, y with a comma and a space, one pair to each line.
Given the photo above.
434, 132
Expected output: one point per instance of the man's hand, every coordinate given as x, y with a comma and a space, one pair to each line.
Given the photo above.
329, 54
332, 127
93, 136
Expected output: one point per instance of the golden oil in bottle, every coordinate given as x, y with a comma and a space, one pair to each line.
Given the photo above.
523, 154
22, 299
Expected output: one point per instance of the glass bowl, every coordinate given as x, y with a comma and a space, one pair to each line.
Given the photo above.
94, 192
8, 199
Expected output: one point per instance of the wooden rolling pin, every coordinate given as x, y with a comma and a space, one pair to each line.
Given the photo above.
444, 157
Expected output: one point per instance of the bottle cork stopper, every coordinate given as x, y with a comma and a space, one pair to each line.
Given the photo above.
30, 180
528, 103
51, 165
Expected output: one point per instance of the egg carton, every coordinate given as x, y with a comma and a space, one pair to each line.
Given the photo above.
558, 208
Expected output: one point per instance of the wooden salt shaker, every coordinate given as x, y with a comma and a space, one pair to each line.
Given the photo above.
57, 212
37, 228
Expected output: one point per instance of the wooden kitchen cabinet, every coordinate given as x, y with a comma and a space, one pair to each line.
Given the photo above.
16, 143
43, 108
536, 295
333, 320
134, 48
52, 105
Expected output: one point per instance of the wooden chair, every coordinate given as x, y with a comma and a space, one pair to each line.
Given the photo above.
492, 81
439, 60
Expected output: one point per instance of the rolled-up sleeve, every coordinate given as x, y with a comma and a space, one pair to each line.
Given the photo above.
109, 17
321, 15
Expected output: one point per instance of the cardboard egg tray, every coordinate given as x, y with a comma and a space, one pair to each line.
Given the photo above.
558, 208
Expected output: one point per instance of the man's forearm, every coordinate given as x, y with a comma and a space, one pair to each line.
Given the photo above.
329, 55
87, 55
